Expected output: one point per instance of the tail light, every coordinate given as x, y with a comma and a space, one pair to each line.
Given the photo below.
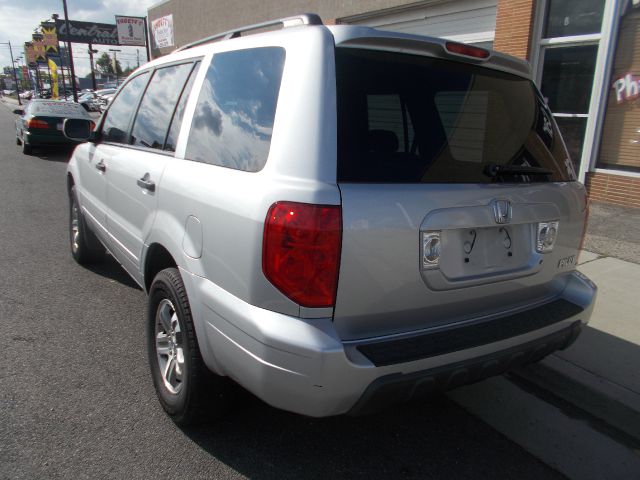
467, 50
36, 123
301, 251
92, 126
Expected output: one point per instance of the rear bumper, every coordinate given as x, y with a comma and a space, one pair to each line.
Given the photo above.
302, 365
38, 139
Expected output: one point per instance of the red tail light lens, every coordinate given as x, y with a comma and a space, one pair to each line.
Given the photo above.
467, 50
301, 251
36, 123
92, 126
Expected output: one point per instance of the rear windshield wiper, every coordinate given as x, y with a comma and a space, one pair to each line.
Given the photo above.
495, 170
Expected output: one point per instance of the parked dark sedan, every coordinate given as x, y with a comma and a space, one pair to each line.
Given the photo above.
40, 123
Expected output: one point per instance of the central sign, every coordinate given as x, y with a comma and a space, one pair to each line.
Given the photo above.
87, 32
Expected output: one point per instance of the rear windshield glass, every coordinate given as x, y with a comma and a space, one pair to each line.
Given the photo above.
412, 119
58, 109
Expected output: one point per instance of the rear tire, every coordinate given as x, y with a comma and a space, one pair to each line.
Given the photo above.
187, 390
26, 148
85, 247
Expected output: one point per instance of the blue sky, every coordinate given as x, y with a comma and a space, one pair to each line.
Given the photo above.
19, 18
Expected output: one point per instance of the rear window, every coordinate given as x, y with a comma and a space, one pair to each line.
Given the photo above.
412, 119
58, 109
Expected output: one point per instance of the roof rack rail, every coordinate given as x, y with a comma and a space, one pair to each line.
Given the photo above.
303, 19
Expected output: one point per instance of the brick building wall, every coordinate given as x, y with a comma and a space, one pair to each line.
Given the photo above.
617, 189
514, 25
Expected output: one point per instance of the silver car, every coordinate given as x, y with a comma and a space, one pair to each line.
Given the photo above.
333, 217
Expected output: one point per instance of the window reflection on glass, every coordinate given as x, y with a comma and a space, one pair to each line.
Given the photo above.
116, 125
573, 17
572, 130
567, 78
176, 122
235, 111
159, 101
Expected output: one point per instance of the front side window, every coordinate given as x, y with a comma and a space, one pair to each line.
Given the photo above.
234, 116
157, 106
116, 124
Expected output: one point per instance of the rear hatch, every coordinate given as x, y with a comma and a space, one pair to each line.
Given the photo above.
459, 198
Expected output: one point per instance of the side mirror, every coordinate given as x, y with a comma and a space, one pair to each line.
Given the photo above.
18, 111
77, 129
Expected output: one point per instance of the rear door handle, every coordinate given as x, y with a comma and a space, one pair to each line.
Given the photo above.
146, 183
101, 166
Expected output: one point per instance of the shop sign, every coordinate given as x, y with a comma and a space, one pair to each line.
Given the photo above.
130, 31
30, 53
627, 88
40, 52
49, 38
87, 32
162, 30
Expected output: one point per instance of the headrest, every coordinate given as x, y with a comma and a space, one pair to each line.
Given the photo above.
383, 141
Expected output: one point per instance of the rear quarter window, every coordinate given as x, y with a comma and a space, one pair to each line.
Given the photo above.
234, 115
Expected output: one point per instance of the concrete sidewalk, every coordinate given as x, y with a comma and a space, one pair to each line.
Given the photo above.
600, 372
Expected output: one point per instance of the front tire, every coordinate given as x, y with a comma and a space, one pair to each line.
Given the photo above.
186, 389
85, 247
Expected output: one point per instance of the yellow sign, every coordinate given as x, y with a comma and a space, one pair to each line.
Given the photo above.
40, 51
50, 38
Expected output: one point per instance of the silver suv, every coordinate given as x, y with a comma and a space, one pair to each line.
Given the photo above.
334, 217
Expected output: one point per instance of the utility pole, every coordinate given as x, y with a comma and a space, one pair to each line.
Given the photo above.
73, 70
138, 57
13, 68
115, 62
93, 73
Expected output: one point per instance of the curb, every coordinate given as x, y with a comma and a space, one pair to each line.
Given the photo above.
616, 406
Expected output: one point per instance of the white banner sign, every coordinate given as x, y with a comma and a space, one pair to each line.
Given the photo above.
130, 31
162, 30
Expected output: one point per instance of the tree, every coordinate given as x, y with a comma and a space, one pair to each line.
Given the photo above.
104, 65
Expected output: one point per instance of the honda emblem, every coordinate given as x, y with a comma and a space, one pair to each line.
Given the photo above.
502, 211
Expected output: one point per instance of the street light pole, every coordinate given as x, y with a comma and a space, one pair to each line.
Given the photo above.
115, 62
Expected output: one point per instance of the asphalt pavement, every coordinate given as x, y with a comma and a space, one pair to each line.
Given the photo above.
76, 399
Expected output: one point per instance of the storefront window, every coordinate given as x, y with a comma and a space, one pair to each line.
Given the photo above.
567, 78
620, 142
573, 17
568, 59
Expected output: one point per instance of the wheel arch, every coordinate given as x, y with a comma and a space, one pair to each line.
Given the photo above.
156, 259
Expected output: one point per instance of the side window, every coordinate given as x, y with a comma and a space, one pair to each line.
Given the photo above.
157, 106
116, 124
176, 122
234, 116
